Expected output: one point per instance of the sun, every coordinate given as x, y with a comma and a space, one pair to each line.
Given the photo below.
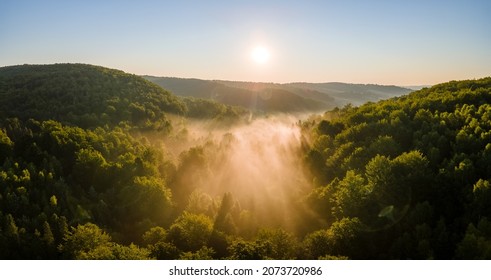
260, 55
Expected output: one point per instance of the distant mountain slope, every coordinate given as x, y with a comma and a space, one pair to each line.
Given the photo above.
84, 95
266, 99
355, 94
187, 87
338, 93
418, 87
325, 95
304, 92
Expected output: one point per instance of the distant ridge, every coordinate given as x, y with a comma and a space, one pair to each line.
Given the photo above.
265, 99
306, 96
418, 87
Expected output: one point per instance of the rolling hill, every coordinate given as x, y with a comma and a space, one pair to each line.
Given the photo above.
403, 178
355, 94
291, 97
411, 174
83, 95
266, 99
89, 96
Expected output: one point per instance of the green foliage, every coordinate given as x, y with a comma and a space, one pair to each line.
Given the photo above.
48, 234
281, 245
131, 252
333, 258
84, 95
91, 243
204, 253
208, 109
224, 221
190, 232
103, 176
316, 244
339, 240
268, 244
155, 240
86, 242
351, 195
82, 176
192, 170
413, 170
476, 243
482, 196
154, 235
5, 145
201, 203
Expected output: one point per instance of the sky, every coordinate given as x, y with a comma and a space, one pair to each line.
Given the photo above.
378, 42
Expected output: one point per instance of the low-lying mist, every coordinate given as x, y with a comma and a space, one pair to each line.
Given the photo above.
258, 162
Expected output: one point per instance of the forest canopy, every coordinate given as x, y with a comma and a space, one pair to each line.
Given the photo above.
99, 164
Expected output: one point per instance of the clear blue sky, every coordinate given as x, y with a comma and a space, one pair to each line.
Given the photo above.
409, 42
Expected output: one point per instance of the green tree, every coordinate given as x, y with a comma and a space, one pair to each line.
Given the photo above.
131, 252
190, 232
155, 240
316, 244
224, 221
476, 243
205, 253
246, 250
48, 237
482, 198
6, 145
281, 244
86, 241
154, 235
351, 195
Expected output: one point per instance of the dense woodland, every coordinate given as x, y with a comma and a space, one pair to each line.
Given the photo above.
88, 171
406, 178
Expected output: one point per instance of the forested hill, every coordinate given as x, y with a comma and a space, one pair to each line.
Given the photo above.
404, 178
84, 95
270, 97
355, 94
75, 182
336, 93
265, 99
91, 169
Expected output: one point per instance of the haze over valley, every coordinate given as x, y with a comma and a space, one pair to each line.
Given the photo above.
245, 130
291, 97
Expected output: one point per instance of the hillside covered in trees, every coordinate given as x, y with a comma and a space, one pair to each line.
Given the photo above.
407, 177
91, 96
274, 97
99, 164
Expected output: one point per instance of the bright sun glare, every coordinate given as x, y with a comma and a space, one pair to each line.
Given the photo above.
260, 55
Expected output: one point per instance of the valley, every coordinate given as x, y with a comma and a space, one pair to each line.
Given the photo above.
96, 163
